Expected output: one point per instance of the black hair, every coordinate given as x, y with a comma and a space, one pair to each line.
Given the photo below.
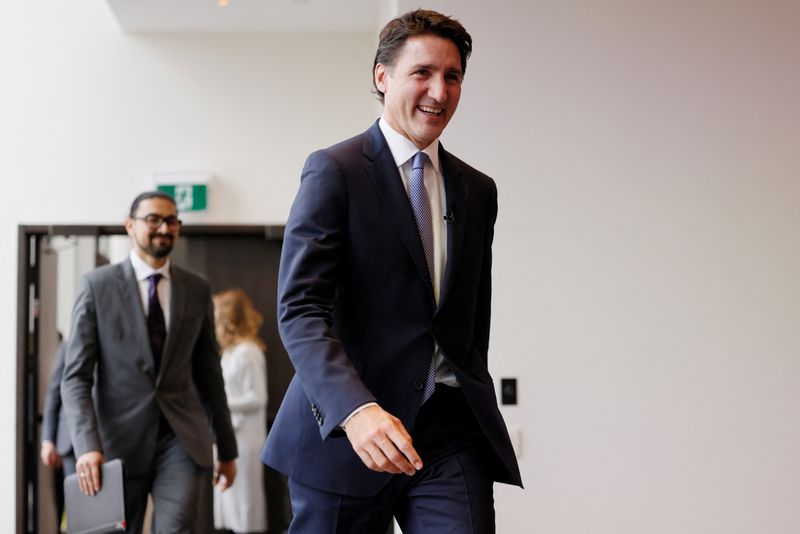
419, 22
147, 195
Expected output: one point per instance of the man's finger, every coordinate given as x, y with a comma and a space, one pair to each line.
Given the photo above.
88, 470
395, 457
404, 443
94, 477
83, 481
367, 459
381, 460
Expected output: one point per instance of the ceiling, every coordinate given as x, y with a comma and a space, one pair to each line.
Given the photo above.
248, 16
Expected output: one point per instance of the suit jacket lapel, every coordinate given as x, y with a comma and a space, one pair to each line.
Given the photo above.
386, 178
132, 302
456, 199
176, 311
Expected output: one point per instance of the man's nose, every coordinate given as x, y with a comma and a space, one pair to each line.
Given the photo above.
437, 89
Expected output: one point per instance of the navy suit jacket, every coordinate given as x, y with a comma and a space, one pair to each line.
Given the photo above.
54, 423
357, 313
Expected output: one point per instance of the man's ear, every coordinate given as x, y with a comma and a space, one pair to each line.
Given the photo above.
129, 226
381, 73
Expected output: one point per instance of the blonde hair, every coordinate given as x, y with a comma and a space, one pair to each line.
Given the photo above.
236, 319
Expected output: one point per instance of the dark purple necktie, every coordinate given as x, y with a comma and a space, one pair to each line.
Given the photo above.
156, 325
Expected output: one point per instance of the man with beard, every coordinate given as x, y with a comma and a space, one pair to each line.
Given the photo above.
142, 379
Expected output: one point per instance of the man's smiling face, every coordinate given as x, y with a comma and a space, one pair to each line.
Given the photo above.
422, 89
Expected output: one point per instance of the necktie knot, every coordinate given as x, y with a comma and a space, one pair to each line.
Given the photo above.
419, 160
154, 279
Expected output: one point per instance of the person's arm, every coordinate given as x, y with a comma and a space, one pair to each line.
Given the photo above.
49, 455
211, 386
208, 379
314, 254
52, 407
76, 389
483, 308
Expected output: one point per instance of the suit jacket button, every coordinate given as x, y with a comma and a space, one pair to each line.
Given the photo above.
418, 385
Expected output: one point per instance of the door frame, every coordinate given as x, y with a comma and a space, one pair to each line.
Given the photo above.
28, 246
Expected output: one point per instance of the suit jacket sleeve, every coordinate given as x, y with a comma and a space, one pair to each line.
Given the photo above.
79, 364
313, 257
52, 400
208, 378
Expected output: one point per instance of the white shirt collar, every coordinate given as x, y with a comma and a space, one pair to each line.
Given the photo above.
143, 270
403, 149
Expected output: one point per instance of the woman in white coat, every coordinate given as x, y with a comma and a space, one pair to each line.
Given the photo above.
243, 506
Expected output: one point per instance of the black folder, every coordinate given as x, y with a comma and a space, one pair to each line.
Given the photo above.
105, 511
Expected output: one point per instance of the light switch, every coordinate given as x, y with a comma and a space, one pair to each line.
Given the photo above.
508, 391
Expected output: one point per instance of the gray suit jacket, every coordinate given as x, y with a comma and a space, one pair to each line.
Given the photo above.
110, 390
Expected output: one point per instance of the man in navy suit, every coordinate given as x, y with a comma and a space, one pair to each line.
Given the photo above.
56, 450
384, 308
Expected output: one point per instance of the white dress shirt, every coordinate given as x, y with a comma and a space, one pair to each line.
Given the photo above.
403, 151
164, 289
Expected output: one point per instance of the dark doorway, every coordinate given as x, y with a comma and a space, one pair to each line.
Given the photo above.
229, 256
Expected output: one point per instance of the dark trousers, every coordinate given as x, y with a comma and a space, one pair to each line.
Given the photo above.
176, 485
452, 493
67, 468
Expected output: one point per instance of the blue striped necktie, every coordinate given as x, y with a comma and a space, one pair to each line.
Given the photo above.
421, 206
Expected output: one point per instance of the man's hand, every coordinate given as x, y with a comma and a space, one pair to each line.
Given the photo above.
88, 469
49, 456
224, 474
381, 441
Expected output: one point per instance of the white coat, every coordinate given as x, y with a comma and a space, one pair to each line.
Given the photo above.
243, 506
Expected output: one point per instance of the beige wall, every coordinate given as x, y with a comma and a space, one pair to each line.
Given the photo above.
88, 113
647, 257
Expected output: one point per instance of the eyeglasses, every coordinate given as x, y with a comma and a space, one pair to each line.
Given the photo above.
154, 221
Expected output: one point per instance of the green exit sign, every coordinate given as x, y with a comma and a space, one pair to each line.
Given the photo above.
188, 197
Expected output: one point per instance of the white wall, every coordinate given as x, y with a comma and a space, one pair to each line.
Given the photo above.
87, 113
647, 293
647, 251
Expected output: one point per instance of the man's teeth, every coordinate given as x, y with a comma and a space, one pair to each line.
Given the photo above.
428, 109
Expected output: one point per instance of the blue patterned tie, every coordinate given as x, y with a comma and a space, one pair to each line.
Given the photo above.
156, 325
421, 206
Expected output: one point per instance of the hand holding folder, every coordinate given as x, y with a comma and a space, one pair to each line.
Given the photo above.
102, 512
